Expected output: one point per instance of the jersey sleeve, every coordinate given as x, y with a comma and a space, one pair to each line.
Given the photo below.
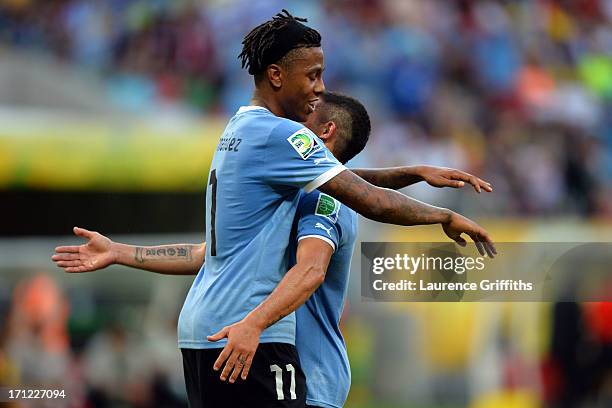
294, 156
318, 217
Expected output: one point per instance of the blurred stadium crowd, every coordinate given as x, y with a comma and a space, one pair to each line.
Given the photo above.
100, 354
517, 91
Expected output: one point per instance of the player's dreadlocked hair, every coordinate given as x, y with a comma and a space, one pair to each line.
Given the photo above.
269, 42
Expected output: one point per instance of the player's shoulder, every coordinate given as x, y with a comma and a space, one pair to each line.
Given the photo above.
278, 128
263, 116
295, 136
285, 129
254, 116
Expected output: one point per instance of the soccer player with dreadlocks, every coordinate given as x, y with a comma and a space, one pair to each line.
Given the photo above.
322, 226
264, 158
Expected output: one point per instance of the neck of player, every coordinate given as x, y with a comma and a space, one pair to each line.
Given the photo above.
270, 103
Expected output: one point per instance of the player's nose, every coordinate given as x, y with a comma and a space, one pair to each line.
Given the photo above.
319, 87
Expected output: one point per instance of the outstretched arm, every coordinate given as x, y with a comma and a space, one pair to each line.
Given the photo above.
294, 289
400, 177
388, 206
100, 252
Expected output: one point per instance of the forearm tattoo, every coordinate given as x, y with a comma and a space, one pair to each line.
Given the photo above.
164, 253
392, 177
382, 205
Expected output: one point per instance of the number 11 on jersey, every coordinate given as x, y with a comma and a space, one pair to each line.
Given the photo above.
278, 377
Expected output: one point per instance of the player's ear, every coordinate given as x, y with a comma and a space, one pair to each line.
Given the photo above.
275, 75
329, 131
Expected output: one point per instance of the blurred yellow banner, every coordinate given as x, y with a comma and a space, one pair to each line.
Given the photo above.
96, 155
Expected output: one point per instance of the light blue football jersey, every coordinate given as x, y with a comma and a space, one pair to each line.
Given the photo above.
261, 163
319, 341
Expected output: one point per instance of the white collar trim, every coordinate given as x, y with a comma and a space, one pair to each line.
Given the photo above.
251, 108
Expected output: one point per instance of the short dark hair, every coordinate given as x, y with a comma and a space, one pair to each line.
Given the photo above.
269, 42
352, 123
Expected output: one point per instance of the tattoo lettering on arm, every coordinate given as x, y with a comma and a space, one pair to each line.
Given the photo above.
138, 255
164, 253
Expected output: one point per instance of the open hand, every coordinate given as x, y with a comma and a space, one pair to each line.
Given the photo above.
242, 342
447, 177
458, 224
95, 254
